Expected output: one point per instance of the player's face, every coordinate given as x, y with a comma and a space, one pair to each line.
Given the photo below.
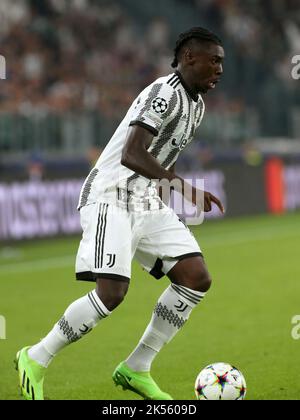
208, 67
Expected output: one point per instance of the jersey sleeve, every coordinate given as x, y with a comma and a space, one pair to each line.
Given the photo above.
154, 107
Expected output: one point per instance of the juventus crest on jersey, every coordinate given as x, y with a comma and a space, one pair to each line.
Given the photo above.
172, 113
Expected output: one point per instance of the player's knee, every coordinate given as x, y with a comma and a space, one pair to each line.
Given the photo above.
192, 274
205, 282
201, 281
112, 294
113, 299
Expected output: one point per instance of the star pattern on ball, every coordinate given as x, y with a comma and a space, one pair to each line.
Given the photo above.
159, 105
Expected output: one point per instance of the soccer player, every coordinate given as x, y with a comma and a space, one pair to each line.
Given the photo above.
123, 217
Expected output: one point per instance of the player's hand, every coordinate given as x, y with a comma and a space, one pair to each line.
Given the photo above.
201, 199
209, 199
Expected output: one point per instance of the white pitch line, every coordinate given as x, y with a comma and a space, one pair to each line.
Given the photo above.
237, 239
208, 242
38, 265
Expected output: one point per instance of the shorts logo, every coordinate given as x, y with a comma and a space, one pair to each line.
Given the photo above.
159, 105
111, 260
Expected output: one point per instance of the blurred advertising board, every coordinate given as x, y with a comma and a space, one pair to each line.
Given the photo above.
33, 209
239, 187
291, 181
282, 183
39, 209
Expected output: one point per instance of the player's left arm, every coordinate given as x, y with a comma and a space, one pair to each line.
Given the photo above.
163, 196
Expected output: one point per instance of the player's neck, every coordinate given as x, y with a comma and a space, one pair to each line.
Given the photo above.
187, 83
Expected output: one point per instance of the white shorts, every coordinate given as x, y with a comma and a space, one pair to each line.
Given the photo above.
112, 237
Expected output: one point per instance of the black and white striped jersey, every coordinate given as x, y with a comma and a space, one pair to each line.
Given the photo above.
172, 113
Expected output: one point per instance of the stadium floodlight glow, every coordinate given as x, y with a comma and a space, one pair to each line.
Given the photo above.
2, 67
2, 328
296, 69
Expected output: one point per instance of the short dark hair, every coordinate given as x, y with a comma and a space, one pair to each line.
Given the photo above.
198, 33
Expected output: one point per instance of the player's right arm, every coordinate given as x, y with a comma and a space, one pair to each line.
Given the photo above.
136, 157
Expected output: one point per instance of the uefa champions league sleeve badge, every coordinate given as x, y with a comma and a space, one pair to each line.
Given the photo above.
159, 105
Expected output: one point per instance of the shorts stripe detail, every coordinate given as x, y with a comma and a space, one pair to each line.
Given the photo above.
193, 298
100, 239
96, 306
103, 237
97, 233
100, 235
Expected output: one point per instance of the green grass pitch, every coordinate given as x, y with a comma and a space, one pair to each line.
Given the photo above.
245, 320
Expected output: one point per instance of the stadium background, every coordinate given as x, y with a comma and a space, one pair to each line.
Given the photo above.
72, 69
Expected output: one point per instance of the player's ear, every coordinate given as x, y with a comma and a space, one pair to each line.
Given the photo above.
189, 56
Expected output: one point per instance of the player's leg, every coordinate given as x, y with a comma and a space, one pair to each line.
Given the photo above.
191, 273
85, 313
190, 282
182, 261
78, 320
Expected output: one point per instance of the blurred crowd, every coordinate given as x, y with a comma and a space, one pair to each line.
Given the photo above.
91, 55
75, 55
261, 37
265, 31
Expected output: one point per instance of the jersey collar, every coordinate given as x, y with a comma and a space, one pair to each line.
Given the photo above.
194, 96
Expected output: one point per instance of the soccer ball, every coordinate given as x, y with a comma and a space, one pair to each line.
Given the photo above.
220, 381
